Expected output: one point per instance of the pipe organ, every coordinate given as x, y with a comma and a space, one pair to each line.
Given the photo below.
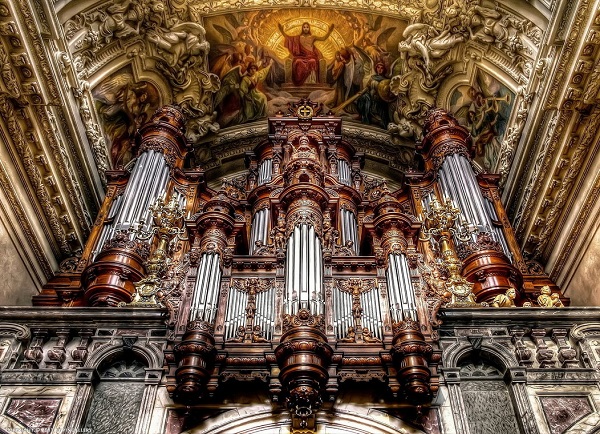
302, 271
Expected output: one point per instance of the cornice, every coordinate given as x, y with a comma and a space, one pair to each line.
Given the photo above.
36, 123
24, 224
530, 316
37, 317
565, 141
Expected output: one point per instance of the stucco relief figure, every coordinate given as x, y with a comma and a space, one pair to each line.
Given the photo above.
278, 234
330, 235
368, 336
305, 55
423, 40
350, 336
182, 50
546, 299
182, 46
487, 25
240, 334
257, 335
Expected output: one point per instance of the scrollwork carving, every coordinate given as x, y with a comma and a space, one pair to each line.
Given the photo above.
303, 319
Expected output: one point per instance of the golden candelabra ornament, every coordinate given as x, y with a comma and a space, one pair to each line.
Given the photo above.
167, 226
440, 225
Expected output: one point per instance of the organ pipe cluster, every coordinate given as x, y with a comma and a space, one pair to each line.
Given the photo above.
306, 270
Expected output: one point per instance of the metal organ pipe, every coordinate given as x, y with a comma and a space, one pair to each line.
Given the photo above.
459, 184
260, 228
303, 268
265, 171
349, 229
148, 180
402, 297
206, 289
107, 230
345, 174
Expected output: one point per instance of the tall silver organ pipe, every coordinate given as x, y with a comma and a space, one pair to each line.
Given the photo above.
148, 181
206, 288
108, 229
349, 228
260, 228
265, 171
400, 289
304, 272
342, 313
345, 174
372, 318
458, 183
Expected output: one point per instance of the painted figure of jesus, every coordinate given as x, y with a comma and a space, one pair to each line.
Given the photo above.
305, 56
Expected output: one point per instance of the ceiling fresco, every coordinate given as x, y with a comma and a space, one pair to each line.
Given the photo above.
382, 71
484, 107
330, 57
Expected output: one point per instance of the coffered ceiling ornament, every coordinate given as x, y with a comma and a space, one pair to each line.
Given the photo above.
564, 145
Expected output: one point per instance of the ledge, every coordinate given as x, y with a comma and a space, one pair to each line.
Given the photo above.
515, 315
97, 317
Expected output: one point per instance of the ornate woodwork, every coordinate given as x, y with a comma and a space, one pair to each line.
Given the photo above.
109, 278
305, 275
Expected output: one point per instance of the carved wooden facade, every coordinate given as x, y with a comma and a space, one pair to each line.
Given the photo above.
301, 277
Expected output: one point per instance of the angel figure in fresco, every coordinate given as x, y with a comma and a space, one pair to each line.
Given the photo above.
240, 97
238, 45
341, 76
373, 102
371, 37
360, 86
305, 55
124, 106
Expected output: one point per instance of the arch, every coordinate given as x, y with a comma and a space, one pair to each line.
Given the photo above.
261, 419
581, 331
461, 350
151, 355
